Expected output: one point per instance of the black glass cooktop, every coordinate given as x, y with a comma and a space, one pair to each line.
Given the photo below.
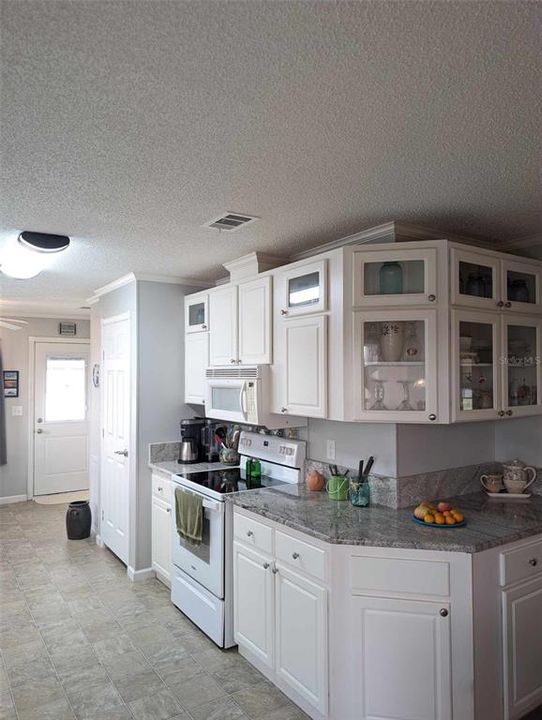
228, 481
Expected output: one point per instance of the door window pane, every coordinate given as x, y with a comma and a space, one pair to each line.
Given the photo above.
475, 280
476, 366
522, 366
394, 278
394, 365
304, 290
196, 314
65, 389
520, 287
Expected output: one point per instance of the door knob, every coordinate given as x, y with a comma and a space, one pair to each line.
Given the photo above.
39, 431
121, 452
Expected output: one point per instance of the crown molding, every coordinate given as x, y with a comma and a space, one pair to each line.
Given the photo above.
252, 264
527, 241
135, 277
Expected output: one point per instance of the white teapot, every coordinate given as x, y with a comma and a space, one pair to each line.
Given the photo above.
516, 476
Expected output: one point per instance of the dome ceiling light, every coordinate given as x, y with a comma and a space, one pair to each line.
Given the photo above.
30, 253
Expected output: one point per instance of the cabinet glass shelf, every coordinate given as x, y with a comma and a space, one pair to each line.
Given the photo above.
399, 363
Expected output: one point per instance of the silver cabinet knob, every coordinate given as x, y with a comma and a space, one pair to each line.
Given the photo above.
204, 327
121, 452
500, 303
39, 431
39, 420
283, 410
168, 510
265, 565
533, 562
295, 555
284, 312
432, 417
431, 297
508, 304
232, 360
250, 533
274, 570
501, 413
509, 412
443, 612
160, 489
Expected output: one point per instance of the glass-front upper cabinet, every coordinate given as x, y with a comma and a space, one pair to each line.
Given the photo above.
305, 289
196, 313
475, 279
522, 368
521, 282
475, 353
396, 356
395, 276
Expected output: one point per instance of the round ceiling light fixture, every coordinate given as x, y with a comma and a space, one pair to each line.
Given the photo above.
30, 253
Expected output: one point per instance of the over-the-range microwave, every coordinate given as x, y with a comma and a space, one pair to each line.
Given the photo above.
242, 395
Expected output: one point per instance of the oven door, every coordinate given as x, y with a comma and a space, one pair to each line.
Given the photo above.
226, 400
204, 562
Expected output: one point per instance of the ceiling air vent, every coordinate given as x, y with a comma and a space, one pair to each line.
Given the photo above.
230, 221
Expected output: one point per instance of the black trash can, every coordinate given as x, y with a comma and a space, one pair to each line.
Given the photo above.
78, 520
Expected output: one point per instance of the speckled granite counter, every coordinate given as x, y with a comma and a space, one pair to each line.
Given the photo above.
489, 522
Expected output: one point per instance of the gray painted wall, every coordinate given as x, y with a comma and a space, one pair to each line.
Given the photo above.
15, 350
520, 438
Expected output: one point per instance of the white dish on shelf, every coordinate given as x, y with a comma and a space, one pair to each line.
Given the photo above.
508, 496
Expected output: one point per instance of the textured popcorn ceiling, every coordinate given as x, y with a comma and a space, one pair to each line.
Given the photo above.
129, 124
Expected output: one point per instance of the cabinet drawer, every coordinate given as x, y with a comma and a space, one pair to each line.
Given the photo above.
392, 575
161, 488
521, 564
253, 533
300, 555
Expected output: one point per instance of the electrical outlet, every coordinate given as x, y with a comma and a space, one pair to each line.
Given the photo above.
330, 450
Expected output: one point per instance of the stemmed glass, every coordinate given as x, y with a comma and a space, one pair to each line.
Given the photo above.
379, 394
405, 404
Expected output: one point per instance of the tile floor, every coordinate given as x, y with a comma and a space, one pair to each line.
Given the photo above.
78, 640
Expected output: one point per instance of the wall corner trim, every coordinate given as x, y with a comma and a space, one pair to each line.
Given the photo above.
139, 575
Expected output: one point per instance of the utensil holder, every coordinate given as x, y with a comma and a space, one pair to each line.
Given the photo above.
337, 487
359, 493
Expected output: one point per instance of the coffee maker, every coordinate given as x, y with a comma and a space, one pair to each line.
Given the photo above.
191, 448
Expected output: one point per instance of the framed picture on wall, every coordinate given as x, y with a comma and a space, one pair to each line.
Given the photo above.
11, 383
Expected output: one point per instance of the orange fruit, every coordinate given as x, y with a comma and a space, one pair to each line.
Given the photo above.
450, 520
440, 519
459, 517
429, 518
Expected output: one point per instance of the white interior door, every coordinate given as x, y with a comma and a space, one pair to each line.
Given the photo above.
115, 483
60, 417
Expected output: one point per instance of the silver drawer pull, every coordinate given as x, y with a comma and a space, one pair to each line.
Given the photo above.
250, 533
295, 555
533, 562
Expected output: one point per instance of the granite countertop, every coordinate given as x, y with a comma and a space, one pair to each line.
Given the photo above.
172, 467
489, 522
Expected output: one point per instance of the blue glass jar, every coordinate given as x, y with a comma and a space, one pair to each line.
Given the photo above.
359, 493
391, 278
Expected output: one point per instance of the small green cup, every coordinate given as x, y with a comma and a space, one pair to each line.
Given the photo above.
337, 487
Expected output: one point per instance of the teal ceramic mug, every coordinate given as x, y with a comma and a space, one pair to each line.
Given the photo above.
337, 487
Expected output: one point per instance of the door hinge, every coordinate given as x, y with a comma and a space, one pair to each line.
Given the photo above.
102, 514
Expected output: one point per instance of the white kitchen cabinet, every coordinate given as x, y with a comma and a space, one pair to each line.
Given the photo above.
301, 635
254, 602
391, 277
475, 278
223, 311
522, 638
161, 539
522, 368
402, 650
255, 310
196, 313
195, 364
303, 288
395, 360
522, 285
302, 381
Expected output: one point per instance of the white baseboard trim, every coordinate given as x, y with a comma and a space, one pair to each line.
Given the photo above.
99, 541
13, 499
139, 575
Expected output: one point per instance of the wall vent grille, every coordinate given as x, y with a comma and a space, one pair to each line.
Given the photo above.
232, 373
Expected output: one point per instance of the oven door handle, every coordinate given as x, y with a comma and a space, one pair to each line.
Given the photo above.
242, 399
213, 506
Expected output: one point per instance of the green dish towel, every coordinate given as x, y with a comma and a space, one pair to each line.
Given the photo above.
189, 516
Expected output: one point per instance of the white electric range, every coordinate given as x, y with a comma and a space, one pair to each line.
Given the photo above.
202, 578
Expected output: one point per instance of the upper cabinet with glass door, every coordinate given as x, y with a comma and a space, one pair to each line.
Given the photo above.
196, 313
522, 366
395, 276
521, 282
305, 289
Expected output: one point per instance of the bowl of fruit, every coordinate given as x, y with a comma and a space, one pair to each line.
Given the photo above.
441, 515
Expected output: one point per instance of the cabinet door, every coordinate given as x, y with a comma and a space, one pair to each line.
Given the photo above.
196, 361
402, 656
304, 289
396, 365
393, 277
522, 610
161, 538
196, 309
254, 605
305, 366
476, 349
301, 636
255, 322
475, 279
223, 321
522, 286
522, 368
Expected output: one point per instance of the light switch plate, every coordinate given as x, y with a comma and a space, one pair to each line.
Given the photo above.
16, 410
330, 450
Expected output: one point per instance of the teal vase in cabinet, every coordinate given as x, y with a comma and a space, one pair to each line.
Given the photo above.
391, 278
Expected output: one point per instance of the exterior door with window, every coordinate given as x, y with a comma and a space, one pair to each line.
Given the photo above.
60, 417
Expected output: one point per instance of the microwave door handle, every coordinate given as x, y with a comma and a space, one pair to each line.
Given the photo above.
242, 399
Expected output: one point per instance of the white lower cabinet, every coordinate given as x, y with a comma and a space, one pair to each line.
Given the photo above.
161, 539
402, 657
522, 636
